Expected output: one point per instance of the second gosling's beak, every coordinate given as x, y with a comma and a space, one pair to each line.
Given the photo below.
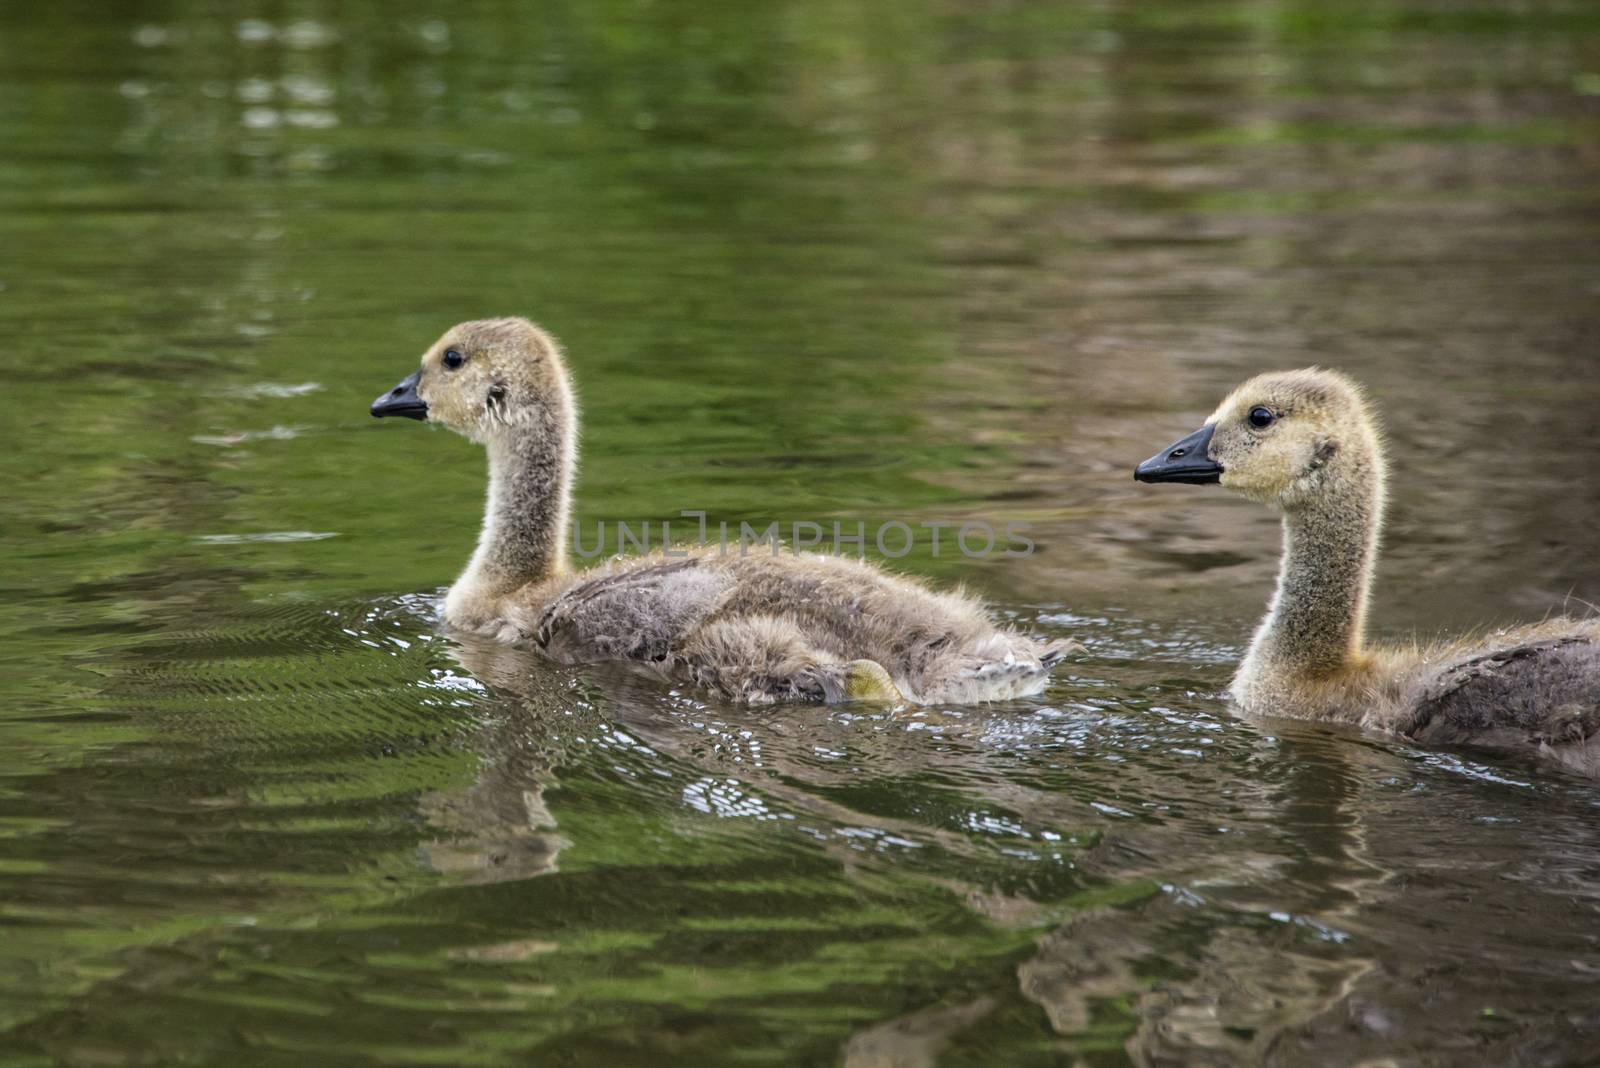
402, 400
1186, 460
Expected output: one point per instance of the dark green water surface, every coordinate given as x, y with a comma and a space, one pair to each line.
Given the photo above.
812, 261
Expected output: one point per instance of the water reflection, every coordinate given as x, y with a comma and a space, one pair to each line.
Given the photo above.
1218, 960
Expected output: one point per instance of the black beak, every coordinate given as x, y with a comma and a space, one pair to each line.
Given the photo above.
402, 400
1183, 461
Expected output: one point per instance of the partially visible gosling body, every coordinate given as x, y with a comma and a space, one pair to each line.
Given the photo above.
757, 628
1304, 443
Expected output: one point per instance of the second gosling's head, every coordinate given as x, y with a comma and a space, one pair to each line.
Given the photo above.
1287, 439
483, 378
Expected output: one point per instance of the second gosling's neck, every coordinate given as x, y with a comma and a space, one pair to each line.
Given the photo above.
1315, 627
524, 537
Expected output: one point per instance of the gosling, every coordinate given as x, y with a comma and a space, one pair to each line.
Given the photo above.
1305, 443
756, 628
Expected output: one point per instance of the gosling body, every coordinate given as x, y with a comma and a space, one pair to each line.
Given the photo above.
1305, 443
756, 627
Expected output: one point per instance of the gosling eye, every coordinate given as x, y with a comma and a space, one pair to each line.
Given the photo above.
1261, 418
453, 358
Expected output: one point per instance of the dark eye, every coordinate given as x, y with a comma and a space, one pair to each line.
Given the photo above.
1261, 418
453, 359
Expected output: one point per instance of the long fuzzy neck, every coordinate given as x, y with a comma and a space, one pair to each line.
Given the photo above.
1316, 624
524, 538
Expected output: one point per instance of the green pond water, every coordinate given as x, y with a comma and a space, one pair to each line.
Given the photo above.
886, 262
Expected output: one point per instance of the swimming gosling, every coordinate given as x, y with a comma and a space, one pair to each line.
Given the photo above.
1305, 443
756, 628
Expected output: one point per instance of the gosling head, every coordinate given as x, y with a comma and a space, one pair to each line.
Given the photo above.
484, 378
1287, 439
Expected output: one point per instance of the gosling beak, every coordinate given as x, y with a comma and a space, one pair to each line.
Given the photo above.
1183, 461
402, 400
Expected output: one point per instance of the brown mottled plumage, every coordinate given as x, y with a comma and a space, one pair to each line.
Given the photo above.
1305, 443
761, 627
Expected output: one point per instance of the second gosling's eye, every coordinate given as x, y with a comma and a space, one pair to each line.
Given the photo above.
1261, 418
453, 358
